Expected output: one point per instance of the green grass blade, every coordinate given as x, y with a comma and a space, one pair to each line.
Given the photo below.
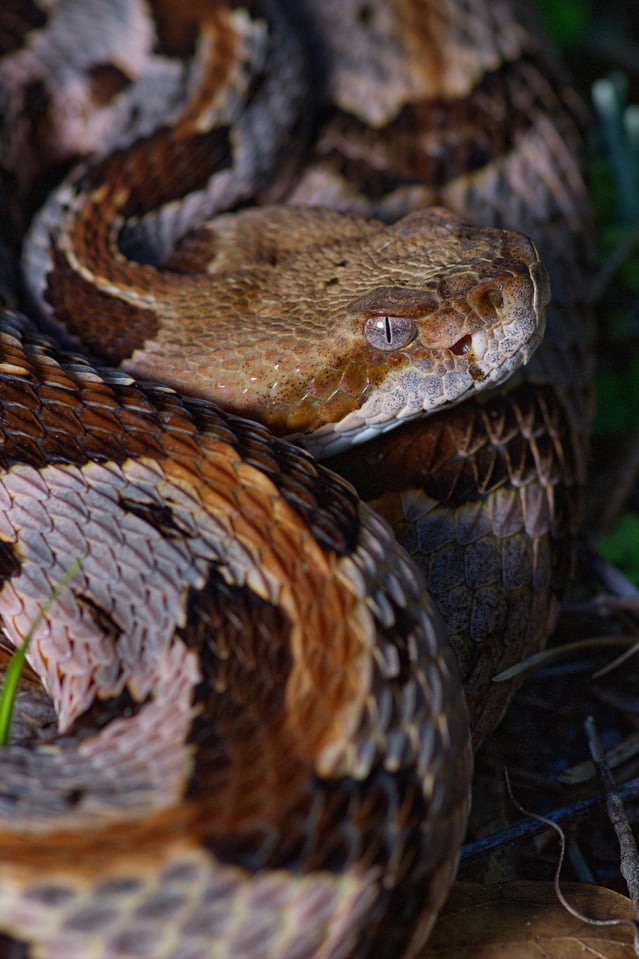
14, 670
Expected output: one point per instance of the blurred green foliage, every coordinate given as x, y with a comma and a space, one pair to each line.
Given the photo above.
565, 21
614, 179
613, 170
617, 400
621, 546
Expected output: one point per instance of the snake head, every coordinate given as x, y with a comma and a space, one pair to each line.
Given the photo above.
332, 328
463, 308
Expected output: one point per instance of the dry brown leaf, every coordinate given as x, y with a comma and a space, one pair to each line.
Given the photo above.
524, 920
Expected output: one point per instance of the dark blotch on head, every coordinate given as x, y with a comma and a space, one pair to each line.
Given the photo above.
106, 80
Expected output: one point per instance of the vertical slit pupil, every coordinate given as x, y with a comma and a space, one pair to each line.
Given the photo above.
388, 330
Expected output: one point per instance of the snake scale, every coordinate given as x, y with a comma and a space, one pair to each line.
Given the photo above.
242, 733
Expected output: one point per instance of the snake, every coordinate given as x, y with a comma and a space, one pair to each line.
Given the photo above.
286, 475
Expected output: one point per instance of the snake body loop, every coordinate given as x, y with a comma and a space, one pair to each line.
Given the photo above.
243, 732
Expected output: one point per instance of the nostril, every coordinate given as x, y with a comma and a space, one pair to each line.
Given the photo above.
496, 298
487, 299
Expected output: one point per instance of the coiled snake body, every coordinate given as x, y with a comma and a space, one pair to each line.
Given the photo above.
260, 746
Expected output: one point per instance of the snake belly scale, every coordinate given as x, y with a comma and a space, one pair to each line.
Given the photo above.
243, 732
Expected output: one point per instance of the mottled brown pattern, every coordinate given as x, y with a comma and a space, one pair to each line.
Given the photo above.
529, 484
161, 169
57, 409
269, 705
423, 145
308, 751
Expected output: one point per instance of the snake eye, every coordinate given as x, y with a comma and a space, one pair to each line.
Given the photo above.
389, 332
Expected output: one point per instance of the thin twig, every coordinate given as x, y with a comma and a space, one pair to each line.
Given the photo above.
617, 755
566, 649
560, 896
629, 865
527, 829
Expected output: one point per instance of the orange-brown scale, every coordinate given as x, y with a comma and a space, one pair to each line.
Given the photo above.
313, 673
422, 27
230, 242
215, 26
156, 837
